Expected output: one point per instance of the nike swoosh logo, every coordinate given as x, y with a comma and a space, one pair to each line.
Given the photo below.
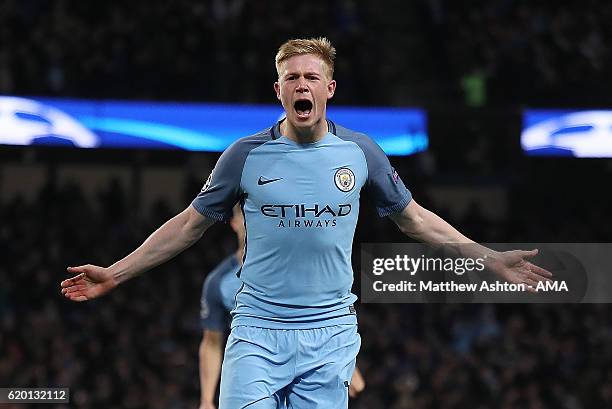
265, 182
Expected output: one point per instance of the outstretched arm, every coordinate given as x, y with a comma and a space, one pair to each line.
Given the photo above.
211, 355
427, 227
174, 236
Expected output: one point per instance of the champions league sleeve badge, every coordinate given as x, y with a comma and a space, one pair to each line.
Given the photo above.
207, 184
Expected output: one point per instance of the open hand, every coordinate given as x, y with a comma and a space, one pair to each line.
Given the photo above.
90, 282
514, 268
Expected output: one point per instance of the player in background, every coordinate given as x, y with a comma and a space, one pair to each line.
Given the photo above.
294, 332
218, 298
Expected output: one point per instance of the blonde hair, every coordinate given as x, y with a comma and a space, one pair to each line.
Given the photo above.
320, 47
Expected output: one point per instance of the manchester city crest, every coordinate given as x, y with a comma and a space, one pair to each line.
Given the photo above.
344, 179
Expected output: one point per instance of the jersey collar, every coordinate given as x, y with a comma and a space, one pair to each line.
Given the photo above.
276, 133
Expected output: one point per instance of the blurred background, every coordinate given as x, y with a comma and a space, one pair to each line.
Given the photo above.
473, 66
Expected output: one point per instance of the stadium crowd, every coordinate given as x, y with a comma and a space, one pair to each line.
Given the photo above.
529, 52
417, 52
137, 347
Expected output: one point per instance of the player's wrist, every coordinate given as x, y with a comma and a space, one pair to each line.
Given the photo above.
494, 261
206, 404
117, 275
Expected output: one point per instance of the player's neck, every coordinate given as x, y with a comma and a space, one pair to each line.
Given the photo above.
304, 135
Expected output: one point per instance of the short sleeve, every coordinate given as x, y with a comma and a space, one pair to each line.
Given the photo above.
222, 190
212, 310
384, 186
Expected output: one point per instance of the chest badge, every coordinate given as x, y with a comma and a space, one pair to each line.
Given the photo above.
344, 179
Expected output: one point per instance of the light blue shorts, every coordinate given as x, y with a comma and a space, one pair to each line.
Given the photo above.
293, 368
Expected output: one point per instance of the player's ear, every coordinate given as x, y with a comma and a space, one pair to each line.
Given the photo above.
331, 89
277, 90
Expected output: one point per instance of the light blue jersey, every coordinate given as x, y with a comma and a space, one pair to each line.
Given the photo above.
300, 203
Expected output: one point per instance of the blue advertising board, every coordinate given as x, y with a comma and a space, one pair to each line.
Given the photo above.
575, 133
188, 126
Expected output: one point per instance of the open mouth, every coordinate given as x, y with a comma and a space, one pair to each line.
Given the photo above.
303, 107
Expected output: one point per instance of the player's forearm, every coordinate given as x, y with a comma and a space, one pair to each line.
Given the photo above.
427, 227
443, 233
210, 368
174, 236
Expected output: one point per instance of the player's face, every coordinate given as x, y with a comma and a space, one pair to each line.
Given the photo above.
304, 88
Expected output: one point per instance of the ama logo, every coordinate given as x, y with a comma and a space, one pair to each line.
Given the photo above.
28, 122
